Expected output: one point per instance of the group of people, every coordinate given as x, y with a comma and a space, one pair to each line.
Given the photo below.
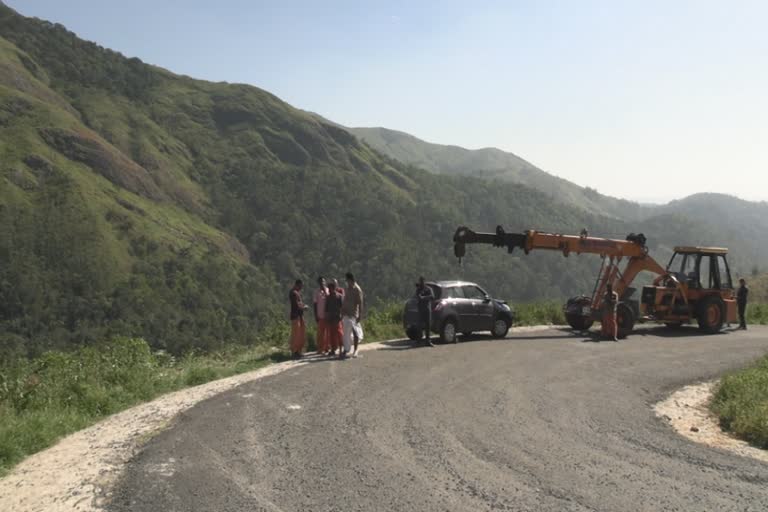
338, 314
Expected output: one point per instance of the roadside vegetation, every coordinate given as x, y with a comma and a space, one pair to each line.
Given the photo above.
539, 313
741, 403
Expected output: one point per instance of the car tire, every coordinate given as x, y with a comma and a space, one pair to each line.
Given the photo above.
448, 331
500, 328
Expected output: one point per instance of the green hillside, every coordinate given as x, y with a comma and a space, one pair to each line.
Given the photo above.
137, 202
492, 163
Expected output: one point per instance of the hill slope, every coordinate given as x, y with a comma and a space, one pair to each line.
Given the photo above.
138, 202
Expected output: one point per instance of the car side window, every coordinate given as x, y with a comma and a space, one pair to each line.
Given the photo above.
453, 293
473, 292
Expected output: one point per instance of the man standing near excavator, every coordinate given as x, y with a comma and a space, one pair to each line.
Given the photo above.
609, 326
741, 300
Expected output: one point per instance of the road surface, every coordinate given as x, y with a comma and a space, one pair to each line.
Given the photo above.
543, 421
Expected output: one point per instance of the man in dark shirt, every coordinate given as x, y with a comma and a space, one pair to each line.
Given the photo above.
298, 328
741, 300
425, 296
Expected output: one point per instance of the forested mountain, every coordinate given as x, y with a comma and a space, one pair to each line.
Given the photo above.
706, 219
134, 201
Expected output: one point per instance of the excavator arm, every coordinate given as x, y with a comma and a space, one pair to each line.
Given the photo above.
633, 246
633, 249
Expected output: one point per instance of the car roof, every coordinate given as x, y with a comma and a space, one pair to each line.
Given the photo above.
448, 284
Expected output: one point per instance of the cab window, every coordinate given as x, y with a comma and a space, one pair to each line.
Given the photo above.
724, 272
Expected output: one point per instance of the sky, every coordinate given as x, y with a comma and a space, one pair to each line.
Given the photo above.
650, 101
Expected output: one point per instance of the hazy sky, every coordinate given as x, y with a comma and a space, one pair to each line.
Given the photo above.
648, 100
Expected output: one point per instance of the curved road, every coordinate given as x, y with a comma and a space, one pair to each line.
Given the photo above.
539, 421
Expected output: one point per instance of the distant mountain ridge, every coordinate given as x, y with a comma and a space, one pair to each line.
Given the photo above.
493, 163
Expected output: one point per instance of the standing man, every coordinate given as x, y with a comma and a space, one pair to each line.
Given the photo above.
352, 312
319, 308
609, 326
298, 328
425, 296
333, 304
741, 300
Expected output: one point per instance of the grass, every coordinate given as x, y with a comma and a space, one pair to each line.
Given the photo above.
539, 313
59, 393
741, 403
757, 314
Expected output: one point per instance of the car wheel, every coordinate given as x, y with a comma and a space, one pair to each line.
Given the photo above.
448, 331
500, 328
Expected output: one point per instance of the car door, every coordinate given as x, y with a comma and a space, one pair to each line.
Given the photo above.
458, 305
481, 318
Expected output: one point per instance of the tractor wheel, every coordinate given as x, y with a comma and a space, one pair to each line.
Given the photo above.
625, 320
578, 322
711, 314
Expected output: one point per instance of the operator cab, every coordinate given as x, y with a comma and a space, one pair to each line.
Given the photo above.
701, 267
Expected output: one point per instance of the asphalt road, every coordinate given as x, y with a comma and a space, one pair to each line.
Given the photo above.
540, 421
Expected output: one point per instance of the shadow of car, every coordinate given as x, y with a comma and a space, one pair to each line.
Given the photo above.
459, 307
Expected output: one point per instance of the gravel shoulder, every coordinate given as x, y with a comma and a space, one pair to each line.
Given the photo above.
687, 411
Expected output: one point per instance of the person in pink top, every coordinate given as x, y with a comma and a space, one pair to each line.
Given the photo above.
321, 294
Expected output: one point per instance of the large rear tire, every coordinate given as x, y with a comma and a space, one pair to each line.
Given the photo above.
625, 320
711, 314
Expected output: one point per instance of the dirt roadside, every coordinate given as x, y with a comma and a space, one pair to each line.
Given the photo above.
688, 413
